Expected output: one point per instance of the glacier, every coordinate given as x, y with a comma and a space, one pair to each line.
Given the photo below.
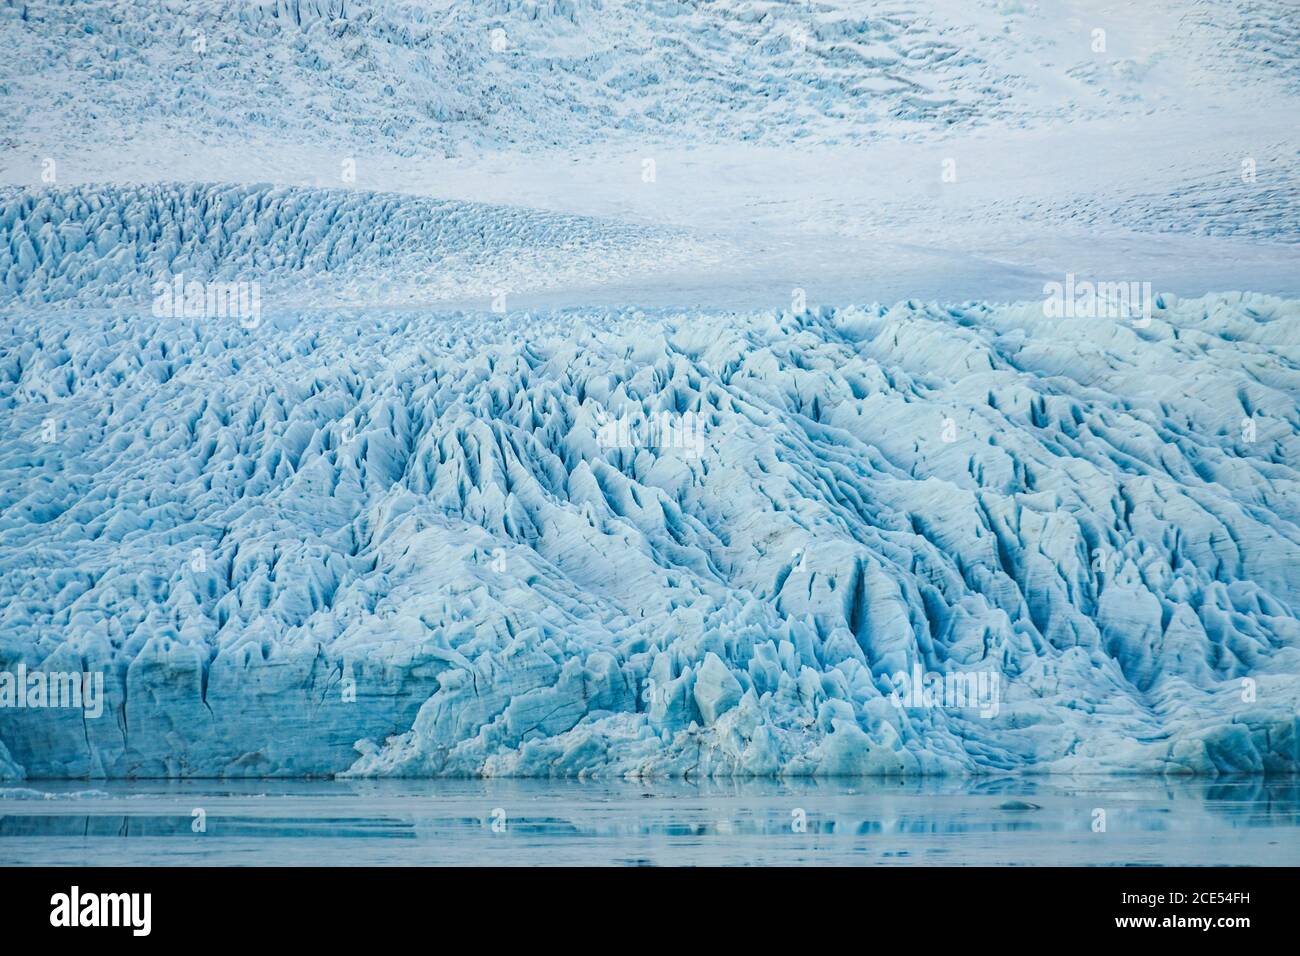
394, 542
97, 245
650, 389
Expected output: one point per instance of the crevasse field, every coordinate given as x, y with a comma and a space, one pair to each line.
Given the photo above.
650, 389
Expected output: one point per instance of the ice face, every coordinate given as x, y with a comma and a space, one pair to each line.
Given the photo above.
679, 543
502, 432
8, 769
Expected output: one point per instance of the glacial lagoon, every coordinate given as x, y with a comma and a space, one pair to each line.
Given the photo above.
1095, 820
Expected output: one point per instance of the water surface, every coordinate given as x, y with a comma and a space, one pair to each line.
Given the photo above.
1017, 821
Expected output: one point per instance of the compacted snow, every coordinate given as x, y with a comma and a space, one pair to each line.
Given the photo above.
546, 423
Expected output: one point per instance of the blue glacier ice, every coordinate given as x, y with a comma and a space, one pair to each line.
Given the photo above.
570, 437
396, 543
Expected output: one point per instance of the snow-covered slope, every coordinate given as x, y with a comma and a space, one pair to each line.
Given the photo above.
237, 526
448, 76
860, 149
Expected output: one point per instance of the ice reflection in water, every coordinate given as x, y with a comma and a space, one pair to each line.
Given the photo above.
1037, 820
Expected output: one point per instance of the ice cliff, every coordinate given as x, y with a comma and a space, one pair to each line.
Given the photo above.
408, 542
